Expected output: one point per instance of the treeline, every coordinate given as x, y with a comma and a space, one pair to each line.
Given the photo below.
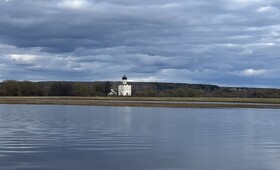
200, 90
27, 88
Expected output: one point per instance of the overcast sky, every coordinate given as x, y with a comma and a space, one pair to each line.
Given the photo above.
223, 42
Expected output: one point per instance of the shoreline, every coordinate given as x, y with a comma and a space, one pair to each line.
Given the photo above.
178, 102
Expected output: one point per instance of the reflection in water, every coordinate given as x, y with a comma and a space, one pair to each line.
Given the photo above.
82, 137
126, 116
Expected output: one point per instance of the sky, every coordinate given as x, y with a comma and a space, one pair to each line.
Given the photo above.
222, 42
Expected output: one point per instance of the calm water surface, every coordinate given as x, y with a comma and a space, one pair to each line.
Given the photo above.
123, 138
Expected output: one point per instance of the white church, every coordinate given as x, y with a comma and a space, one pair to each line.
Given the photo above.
124, 89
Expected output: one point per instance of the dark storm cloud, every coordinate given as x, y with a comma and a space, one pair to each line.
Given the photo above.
217, 41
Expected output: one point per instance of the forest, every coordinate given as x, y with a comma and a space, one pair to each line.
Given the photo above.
141, 89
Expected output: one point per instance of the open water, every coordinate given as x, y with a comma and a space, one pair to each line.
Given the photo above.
48, 137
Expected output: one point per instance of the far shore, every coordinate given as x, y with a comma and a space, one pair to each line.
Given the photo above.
172, 102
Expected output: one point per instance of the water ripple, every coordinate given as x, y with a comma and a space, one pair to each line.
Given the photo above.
68, 137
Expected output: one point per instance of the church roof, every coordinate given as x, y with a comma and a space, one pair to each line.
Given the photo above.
124, 77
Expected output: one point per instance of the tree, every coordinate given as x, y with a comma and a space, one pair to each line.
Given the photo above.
61, 89
11, 87
107, 87
80, 89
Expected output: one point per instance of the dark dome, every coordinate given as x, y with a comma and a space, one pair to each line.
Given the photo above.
124, 77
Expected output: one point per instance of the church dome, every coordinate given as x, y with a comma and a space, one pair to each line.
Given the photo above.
124, 77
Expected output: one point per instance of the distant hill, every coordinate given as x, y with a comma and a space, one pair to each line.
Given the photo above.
147, 89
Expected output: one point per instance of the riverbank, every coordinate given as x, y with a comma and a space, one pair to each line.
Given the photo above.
149, 102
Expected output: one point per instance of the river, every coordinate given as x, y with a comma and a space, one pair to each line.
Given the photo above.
50, 137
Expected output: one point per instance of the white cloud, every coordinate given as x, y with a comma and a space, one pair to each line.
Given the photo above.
253, 72
247, 51
236, 4
2, 66
146, 79
75, 4
171, 5
23, 58
240, 4
266, 9
249, 2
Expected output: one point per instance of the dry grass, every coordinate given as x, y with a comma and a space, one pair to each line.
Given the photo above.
147, 102
194, 99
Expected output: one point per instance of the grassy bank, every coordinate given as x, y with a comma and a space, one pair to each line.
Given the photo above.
148, 102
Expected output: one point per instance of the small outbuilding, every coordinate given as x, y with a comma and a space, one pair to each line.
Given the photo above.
112, 93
